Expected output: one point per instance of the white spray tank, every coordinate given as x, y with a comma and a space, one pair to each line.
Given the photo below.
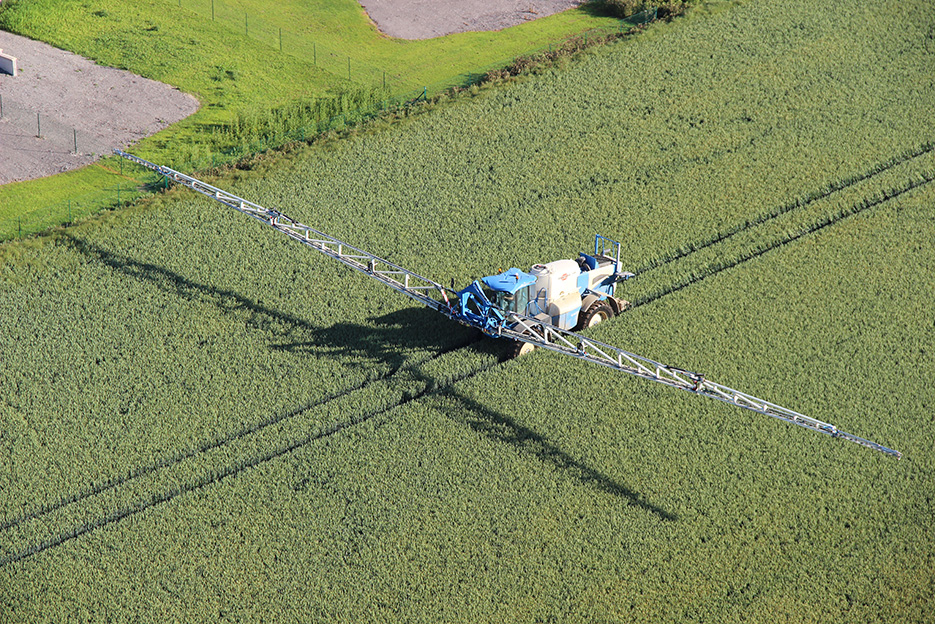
556, 293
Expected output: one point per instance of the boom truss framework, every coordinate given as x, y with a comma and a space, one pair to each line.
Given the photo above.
516, 326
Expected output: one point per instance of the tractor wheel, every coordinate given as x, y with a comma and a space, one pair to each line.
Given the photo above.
518, 348
599, 311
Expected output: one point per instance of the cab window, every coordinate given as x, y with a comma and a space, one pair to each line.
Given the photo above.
522, 300
506, 301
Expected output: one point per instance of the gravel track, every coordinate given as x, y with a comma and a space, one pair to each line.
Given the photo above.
71, 100
424, 19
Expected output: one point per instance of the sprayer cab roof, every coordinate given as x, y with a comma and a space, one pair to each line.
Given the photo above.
509, 281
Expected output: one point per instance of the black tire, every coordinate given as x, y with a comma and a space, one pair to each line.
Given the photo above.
518, 348
598, 312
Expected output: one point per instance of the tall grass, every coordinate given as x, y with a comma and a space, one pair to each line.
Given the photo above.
257, 122
201, 415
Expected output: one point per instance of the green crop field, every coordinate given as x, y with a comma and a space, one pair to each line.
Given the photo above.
203, 421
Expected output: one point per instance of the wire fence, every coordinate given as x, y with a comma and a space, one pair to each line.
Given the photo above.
139, 182
340, 63
27, 128
77, 208
297, 128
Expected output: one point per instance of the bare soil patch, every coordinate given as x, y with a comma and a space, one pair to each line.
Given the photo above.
424, 19
69, 100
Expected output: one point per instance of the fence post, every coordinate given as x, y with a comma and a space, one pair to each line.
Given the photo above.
280, 40
69, 201
246, 26
212, 10
384, 79
76, 140
314, 54
38, 127
348, 68
1, 106
118, 195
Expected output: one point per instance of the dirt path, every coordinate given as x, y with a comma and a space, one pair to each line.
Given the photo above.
68, 99
424, 19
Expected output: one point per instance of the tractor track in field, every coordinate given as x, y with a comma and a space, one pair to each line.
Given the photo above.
430, 389
854, 209
220, 442
214, 476
802, 202
495, 426
227, 301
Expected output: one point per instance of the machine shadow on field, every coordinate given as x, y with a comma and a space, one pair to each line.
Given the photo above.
391, 340
395, 331
396, 336
257, 316
501, 428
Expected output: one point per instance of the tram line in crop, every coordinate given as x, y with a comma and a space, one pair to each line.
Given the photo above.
197, 291
232, 469
534, 443
855, 209
833, 188
219, 442
429, 389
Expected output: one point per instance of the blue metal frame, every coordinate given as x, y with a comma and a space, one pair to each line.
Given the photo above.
601, 245
474, 308
485, 315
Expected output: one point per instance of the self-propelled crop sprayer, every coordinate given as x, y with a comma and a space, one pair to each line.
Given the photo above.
541, 308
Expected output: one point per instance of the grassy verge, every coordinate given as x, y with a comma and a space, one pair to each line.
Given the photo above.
30, 207
237, 76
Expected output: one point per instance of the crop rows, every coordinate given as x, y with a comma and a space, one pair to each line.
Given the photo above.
743, 243
801, 202
169, 389
660, 162
431, 386
228, 439
199, 476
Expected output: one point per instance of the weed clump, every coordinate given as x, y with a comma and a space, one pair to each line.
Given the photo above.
628, 8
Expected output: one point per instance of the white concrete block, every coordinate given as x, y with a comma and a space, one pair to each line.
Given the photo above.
7, 63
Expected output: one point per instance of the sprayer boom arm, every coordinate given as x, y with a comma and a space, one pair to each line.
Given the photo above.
513, 326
